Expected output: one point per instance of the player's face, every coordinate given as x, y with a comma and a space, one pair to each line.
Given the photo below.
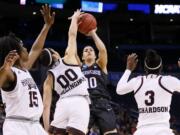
88, 53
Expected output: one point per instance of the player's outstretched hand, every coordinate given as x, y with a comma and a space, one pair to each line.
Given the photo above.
47, 15
10, 59
132, 61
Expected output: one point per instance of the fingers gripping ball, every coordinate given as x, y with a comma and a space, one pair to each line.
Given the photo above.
87, 23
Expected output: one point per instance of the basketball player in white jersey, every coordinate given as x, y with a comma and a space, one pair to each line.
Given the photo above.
66, 78
19, 92
153, 93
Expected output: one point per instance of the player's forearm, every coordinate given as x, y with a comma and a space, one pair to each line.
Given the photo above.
72, 45
46, 112
122, 86
98, 42
46, 117
73, 27
3, 76
47, 99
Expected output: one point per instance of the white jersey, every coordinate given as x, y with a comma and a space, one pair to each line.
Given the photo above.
24, 101
69, 80
153, 95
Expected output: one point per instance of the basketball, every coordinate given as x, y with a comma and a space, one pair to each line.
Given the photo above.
87, 23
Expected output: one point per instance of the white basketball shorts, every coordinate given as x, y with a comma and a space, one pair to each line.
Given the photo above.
72, 112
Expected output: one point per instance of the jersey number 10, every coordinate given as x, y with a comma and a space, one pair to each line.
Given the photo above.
92, 82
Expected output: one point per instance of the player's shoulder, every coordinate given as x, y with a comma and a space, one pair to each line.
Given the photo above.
55, 65
84, 66
168, 78
19, 71
14, 69
94, 66
137, 78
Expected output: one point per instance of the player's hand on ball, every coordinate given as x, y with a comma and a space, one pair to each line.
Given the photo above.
132, 61
77, 15
91, 32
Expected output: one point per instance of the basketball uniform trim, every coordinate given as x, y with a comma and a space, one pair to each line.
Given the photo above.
21, 69
53, 78
164, 88
22, 119
69, 64
139, 86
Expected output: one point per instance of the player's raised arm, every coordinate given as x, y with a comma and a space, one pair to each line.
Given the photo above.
47, 99
39, 42
123, 85
6, 74
71, 49
102, 55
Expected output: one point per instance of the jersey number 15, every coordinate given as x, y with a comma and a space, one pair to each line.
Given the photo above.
33, 99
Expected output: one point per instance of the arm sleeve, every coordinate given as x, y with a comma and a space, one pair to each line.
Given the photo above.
124, 86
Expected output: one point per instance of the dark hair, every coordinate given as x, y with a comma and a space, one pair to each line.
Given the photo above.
152, 62
45, 57
7, 44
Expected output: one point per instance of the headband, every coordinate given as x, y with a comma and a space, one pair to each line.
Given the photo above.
151, 67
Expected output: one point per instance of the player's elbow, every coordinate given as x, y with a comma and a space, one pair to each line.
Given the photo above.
103, 51
119, 91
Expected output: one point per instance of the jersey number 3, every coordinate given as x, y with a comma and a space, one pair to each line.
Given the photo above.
150, 101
